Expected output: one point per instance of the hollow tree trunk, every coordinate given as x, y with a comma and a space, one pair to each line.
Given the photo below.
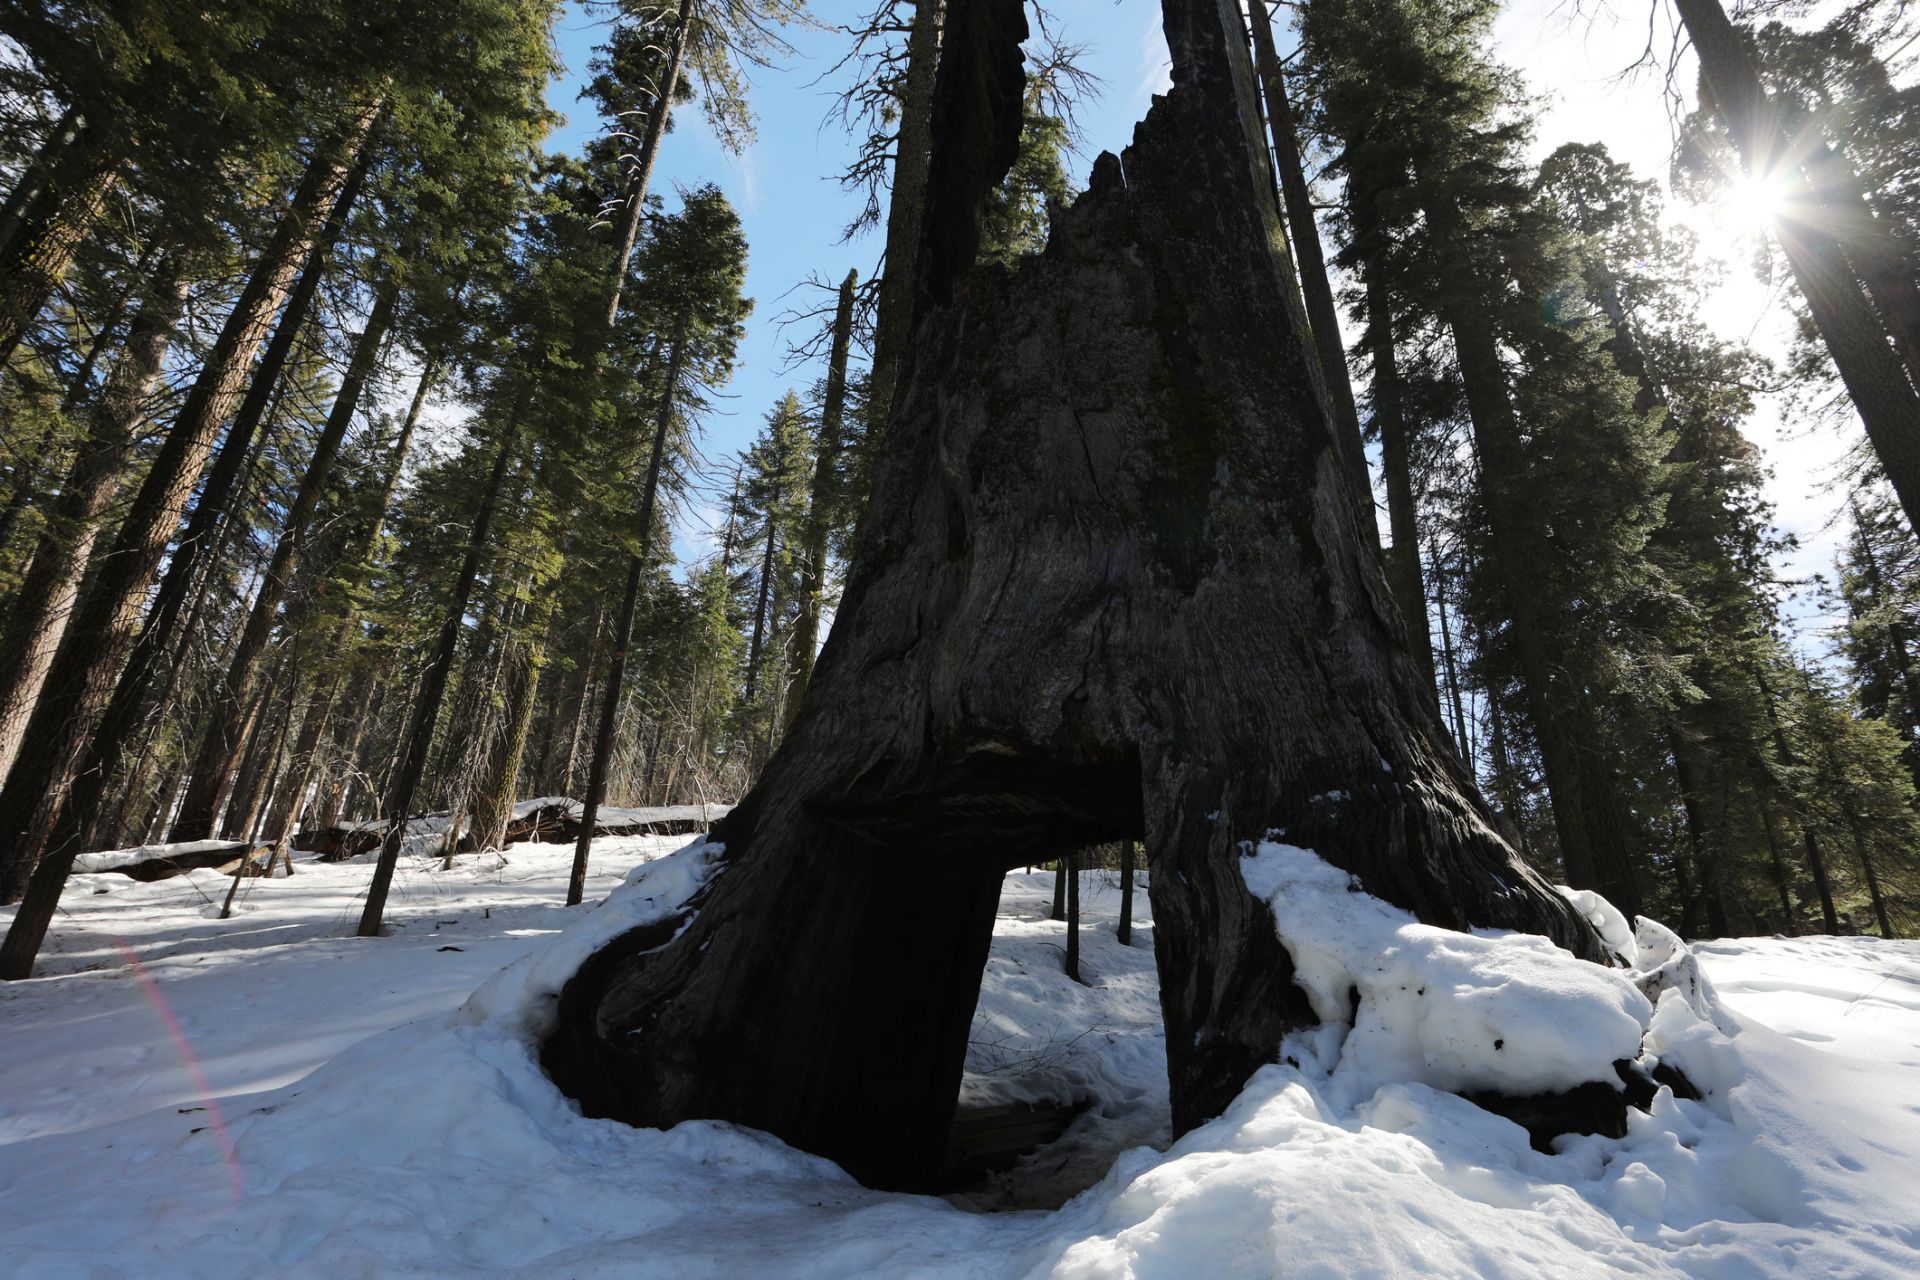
213, 762
81, 675
36, 617
1110, 584
813, 543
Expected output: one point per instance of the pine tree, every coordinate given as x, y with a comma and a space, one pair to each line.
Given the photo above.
688, 297
1437, 211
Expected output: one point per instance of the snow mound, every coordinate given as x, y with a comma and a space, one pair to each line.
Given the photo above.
1512, 1013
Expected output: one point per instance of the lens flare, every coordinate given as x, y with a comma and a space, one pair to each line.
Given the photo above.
192, 1063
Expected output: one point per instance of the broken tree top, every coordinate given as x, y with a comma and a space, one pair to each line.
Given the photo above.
1112, 583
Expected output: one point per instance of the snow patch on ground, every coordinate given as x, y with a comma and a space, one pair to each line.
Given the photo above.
384, 1122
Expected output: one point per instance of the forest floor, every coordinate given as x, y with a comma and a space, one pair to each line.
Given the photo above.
186, 1096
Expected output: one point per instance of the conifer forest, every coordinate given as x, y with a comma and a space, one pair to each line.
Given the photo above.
728, 637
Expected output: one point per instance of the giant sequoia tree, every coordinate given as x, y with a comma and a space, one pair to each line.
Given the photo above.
1109, 585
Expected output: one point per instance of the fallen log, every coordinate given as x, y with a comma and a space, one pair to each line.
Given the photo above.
545, 820
162, 861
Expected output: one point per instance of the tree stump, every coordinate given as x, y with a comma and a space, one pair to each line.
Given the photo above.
1111, 585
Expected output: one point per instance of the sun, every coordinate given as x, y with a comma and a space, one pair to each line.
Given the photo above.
1751, 205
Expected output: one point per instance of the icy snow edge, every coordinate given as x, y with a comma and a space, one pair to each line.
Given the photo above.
522, 1001
1509, 1012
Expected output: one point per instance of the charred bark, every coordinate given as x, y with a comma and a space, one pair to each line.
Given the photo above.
1110, 585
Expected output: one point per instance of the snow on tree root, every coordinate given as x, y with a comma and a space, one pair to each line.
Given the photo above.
1510, 1021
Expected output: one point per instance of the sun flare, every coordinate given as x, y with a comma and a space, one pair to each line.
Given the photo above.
1751, 205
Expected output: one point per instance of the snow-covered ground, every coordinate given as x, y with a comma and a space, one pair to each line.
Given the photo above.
186, 1096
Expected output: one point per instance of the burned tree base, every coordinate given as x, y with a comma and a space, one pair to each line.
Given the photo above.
1112, 584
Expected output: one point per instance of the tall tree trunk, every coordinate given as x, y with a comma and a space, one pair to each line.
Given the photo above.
1896, 634
214, 760
37, 613
286, 812
1506, 780
1883, 264
1882, 392
1124, 930
79, 386
1462, 740
82, 672
623, 627
206, 530
1073, 916
257, 762
329, 801
912, 152
758, 640
1873, 879
495, 794
1706, 859
813, 545
584, 704
1777, 861
1323, 316
1058, 911
1587, 812
38, 174
1816, 860
1111, 584
1396, 462
52, 226
641, 175
417, 737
